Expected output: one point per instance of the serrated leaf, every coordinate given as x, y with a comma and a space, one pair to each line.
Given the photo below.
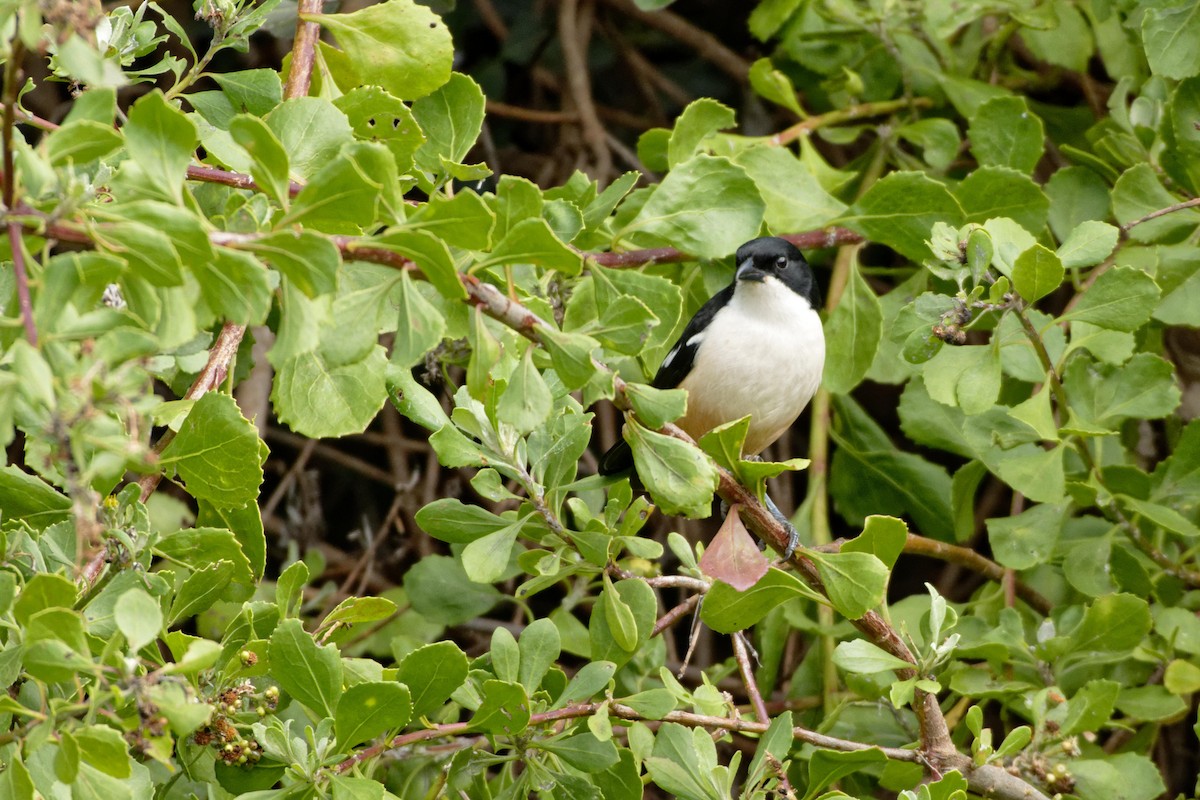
900, 209
680, 479
699, 120
707, 207
1003, 131
1121, 299
317, 399
217, 452
399, 45
420, 327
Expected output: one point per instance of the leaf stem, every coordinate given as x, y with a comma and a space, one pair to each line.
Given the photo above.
838, 116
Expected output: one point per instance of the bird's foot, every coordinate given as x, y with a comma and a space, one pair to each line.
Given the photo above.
793, 541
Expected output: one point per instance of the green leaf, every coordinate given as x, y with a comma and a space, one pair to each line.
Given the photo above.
161, 142
1027, 539
217, 452
1124, 776
234, 285
852, 333
991, 192
347, 193
399, 45
27, 497
794, 198
656, 407
105, 749
313, 675
1163, 516
1114, 623
938, 139
318, 399
571, 355
883, 537
451, 118
707, 207
828, 766
377, 116
1103, 395
432, 673
312, 131
680, 479
900, 209
486, 559
591, 679
526, 402
420, 327
701, 119
1121, 299
1077, 195
505, 709
863, 658
773, 85
683, 765
1004, 132
855, 582
633, 595
456, 522
968, 377
1169, 30
1088, 244
440, 590
310, 261
200, 546
82, 141
621, 623
531, 241
200, 590
583, 751
462, 221
726, 610
268, 159
429, 253
1090, 707
1037, 272
43, 591
365, 710
540, 646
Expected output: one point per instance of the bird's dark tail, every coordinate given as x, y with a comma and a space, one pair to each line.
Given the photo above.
618, 459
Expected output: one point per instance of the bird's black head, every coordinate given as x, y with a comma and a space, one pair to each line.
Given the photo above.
772, 257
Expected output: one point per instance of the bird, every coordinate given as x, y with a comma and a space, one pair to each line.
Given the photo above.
756, 347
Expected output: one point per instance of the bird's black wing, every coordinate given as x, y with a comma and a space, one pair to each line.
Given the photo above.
682, 356
674, 369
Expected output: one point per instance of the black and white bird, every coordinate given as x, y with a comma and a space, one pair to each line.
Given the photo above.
757, 348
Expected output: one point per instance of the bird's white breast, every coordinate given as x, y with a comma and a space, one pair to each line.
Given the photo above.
762, 355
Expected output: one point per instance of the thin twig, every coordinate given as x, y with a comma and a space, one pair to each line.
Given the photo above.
675, 614
966, 557
12, 80
1162, 212
704, 43
573, 41
304, 49
838, 116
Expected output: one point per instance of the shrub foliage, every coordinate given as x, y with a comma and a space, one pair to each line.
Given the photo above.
1032, 268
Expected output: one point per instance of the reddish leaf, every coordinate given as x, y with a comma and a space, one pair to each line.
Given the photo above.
733, 555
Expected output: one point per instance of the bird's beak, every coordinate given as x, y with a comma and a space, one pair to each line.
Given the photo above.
746, 271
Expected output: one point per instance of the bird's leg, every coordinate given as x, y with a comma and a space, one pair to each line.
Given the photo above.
793, 535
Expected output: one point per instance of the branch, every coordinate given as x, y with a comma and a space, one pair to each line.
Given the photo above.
838, 116
12, 79
573, 40
1162, 212
704, 43
966, 557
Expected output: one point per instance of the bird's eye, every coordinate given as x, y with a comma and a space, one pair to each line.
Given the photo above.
781, 262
